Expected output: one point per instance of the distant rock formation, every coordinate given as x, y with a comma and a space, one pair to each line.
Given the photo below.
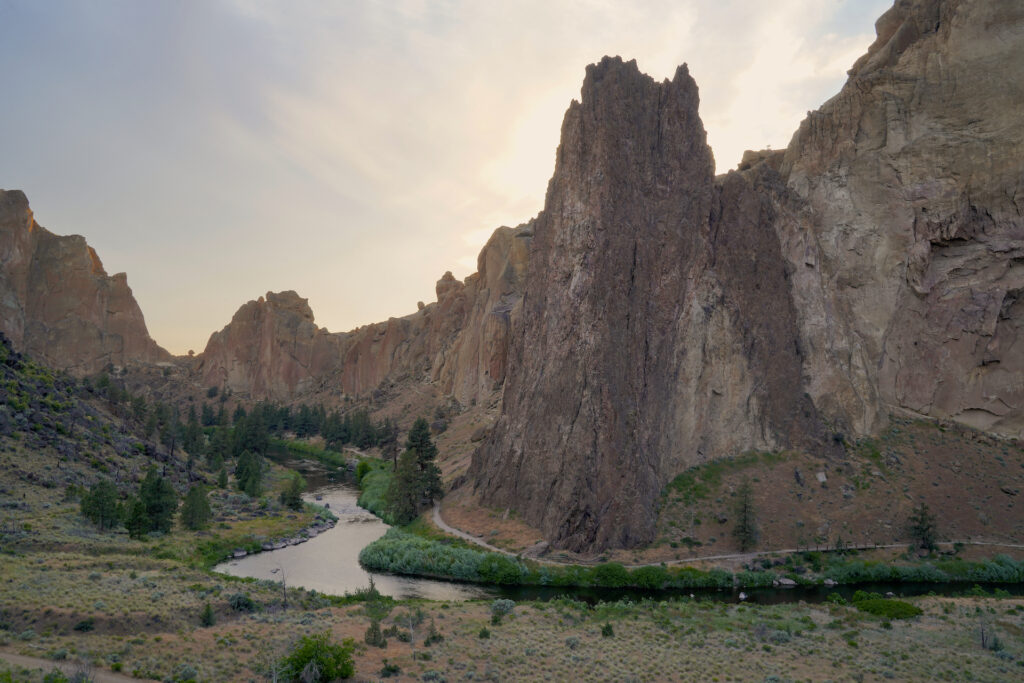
653, 316
58, 305
272, 349
670, 318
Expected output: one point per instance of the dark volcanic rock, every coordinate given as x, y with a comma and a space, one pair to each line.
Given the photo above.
657, 328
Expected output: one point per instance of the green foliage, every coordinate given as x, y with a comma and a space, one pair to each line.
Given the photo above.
374, 636
607, 631
222, 478
650, 578
745, 531
136, 519
484, 633
315, 658
501, 608
404, 499
85, 625
362, 468
195, 510
419, 441
611, 575
923, 528
500, 569
249, 474
160, 500
241, 602
374, 485
291, 497
698, 483
207, 617
99, 505
888, 609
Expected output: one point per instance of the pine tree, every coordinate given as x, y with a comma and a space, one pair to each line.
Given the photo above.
403, 495
419, 440
160, 500
195, 510
136, 520
99, 505
292, 495
249, 474
222, 478
923, 527
745, 531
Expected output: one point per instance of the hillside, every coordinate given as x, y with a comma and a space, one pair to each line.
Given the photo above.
653, 317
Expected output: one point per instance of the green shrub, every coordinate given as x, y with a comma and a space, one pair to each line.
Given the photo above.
207, 617
241, 602
611, 575
607, 631
85, 625
888, 609
315, 658
484, 633
374, 636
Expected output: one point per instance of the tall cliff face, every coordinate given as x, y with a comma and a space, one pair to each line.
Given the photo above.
657, 327
58, 304
272, 349
913, 177
670, 317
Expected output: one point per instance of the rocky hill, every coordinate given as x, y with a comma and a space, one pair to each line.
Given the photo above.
272, 349
671, 317
58, 304
654, 317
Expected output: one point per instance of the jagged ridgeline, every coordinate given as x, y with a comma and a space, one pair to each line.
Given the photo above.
655, 316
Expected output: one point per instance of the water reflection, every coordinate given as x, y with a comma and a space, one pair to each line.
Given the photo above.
329, 563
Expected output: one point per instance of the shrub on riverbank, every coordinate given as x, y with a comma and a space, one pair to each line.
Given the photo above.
374, 484
1000, 569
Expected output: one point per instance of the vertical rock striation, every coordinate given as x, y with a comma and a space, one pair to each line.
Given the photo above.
657, 329
875, 265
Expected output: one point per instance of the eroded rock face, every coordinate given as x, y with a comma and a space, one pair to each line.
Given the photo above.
669, 317
58, 305
914, 179
272, 348
657, 327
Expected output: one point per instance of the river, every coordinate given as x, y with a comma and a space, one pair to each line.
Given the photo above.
329, 563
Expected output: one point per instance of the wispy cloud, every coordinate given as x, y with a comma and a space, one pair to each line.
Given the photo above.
354, 151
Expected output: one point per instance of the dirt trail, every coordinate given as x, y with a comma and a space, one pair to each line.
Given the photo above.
441, 524
68, 667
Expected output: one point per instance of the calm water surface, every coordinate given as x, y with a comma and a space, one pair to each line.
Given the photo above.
329, 563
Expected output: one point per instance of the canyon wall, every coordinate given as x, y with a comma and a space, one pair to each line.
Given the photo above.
58, 305
670, 317
654, 316
272, 349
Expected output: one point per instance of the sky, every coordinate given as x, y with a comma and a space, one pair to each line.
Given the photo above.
354, 151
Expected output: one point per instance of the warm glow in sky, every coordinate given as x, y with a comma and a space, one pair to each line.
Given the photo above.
354, 151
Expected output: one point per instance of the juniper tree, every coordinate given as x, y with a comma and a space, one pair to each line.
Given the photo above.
923, 527
195, 510
745, 531
99, 505
160, 500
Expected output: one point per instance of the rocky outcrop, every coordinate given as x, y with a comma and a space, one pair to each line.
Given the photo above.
669, 317
913, 182
657, 328
58, 305
272, 348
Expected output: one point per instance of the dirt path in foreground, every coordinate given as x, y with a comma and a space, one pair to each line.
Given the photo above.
68, 667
